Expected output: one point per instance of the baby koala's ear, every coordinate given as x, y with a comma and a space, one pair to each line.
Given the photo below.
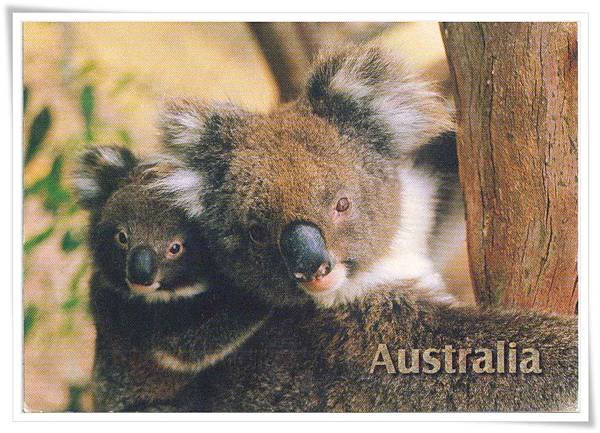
199, 131
99, 172
368, 92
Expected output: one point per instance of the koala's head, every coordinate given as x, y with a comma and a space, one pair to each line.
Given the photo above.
143, 246
302, 200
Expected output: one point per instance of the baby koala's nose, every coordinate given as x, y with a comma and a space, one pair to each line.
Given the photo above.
142, 265
305, 253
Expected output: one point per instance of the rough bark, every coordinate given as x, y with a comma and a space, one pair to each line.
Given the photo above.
516, 97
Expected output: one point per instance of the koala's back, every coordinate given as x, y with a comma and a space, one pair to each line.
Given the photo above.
319, 360
408, 326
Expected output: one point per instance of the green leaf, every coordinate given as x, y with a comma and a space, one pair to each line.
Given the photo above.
55, 193
74, 301
70, 242
51, 188
30, 318
76, 279
70, 304
122, 83
75, 398
87, 103
88, 67
39, 128
37, 187
25, 98
36, 240
125, 137
55, 198
73, 208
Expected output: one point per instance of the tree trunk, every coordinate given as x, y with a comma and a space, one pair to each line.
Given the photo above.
286, 53
516, 97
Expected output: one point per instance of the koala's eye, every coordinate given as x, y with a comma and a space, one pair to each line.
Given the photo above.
175, 249
343, 204
258, 234
121, 238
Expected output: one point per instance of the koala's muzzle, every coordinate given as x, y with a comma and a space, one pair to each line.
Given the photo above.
142, 265
305, 253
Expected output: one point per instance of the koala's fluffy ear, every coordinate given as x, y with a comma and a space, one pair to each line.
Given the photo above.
198, 136
176, 182
196, 130
100, 170
369, 92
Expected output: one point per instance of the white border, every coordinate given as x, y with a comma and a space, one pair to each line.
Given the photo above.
17, 217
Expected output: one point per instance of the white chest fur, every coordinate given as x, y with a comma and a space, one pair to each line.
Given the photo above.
413, 256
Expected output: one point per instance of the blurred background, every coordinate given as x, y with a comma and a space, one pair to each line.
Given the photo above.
102, 83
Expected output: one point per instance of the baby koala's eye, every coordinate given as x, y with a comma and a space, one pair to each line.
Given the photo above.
121, 238
175, 249
343, 204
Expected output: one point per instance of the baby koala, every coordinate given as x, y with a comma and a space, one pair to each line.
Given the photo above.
157, 323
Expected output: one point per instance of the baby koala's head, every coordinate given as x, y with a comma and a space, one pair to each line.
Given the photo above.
141, 245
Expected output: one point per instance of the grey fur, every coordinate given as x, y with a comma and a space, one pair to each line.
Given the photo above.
314, 360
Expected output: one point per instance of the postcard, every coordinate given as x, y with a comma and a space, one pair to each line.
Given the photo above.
300, 216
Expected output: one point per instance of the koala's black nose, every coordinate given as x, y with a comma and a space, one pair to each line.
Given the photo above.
304, 251
141, 265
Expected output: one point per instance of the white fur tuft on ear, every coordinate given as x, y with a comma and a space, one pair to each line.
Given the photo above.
86, 187
184, 121
99, 171
111, 156
178, 183
184, 187
371, 88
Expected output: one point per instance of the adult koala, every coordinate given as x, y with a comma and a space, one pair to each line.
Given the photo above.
352, 185
352, 188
